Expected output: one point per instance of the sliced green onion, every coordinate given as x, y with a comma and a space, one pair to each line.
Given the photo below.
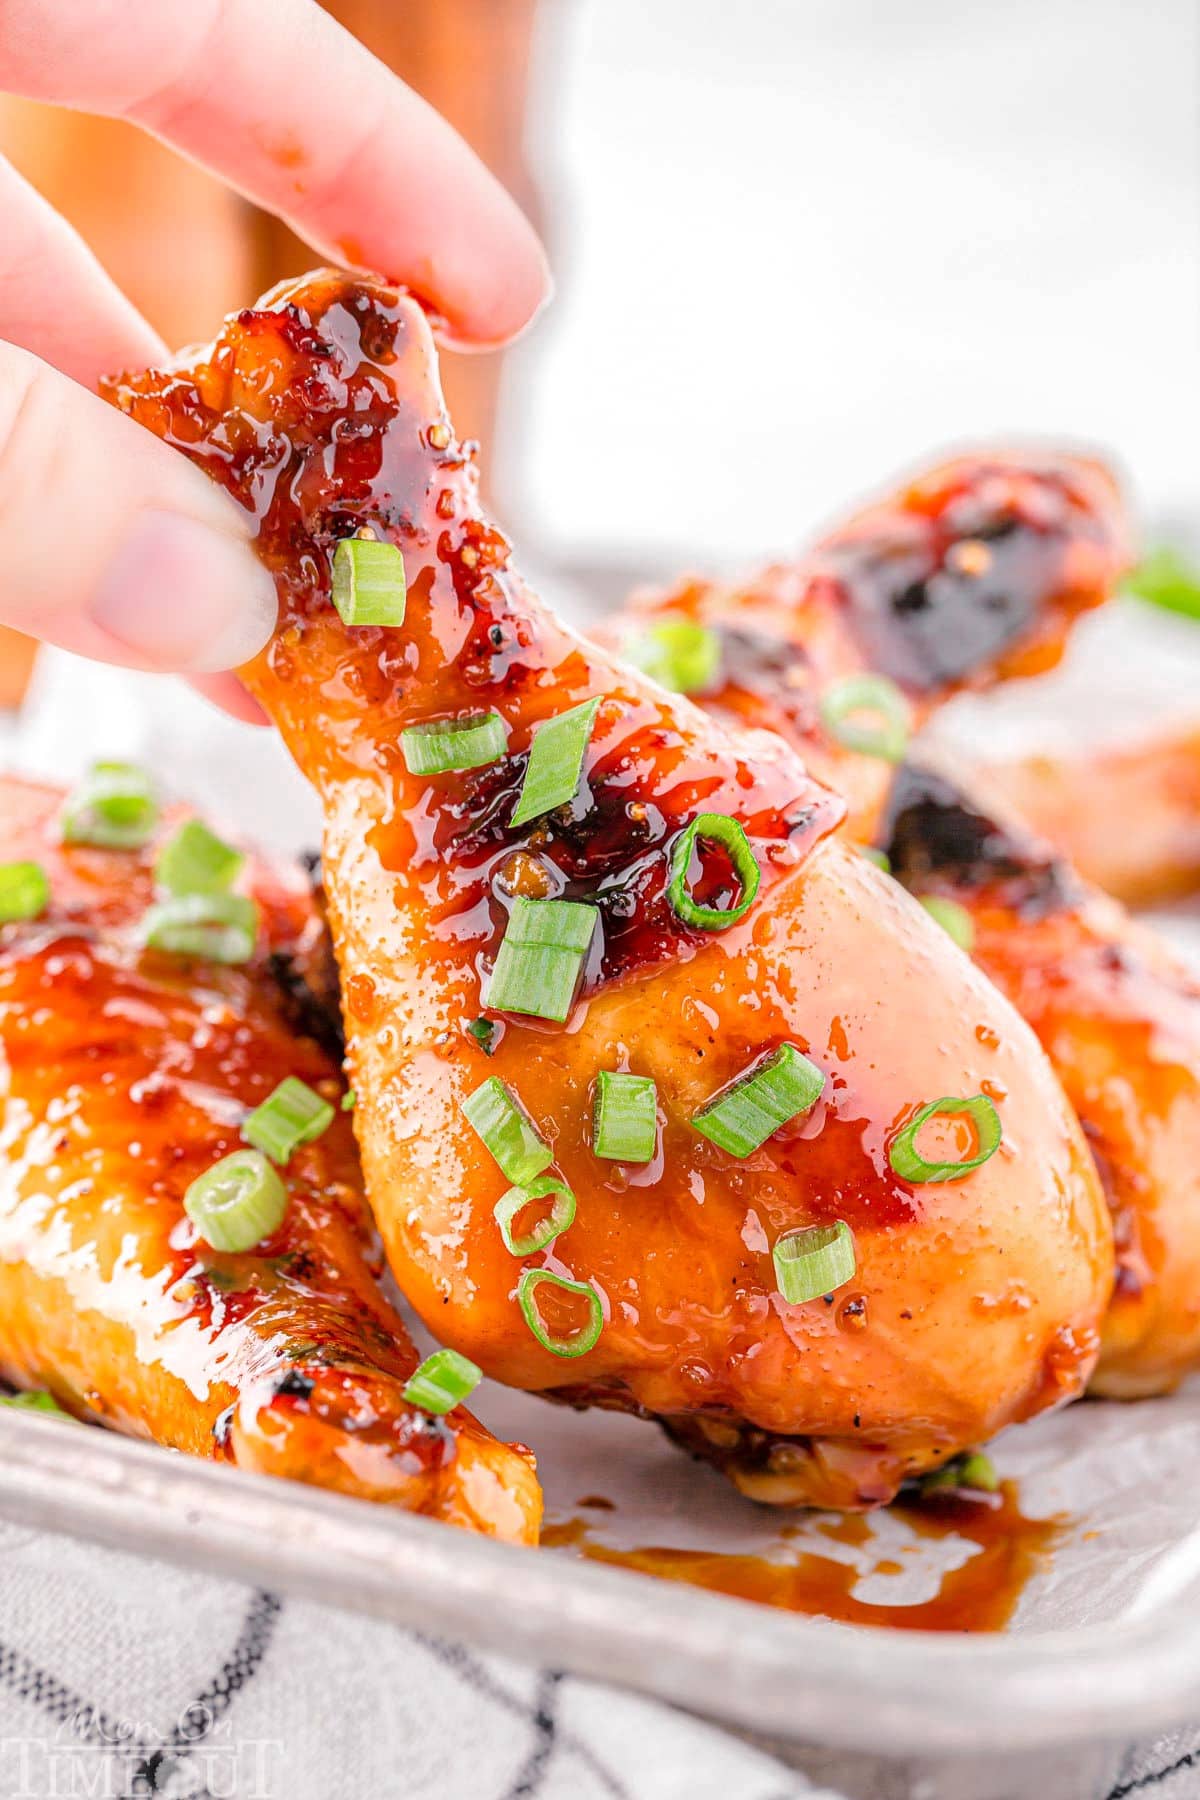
349, 1101
972, 1471
368, 582
443, 1381
219, 927
24, 891
113, 808
494, 1112
580, 1341
555, 762
679, 653
814, 1261
440, 746
238, 1202
625, 1122
743, 1116
1167, 579
34, 1400
887, 735
907, 1161
880, 858
541, 957
556, 1221
954, 919
712, 828
291, 1116
484, 1033
196, 861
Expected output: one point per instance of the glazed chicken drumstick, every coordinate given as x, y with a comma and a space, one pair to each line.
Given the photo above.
843, 1223
970, 561
128, 1072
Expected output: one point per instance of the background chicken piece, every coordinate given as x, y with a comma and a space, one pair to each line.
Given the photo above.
1152, 787
969, 573
973, 1301
1119, 1019
1118, 1016
127, 1073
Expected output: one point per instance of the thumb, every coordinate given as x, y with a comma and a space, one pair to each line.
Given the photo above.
112, 545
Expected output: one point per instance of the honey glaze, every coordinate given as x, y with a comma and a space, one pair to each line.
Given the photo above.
981, 1594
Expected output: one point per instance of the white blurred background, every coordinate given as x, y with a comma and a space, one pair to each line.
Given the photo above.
800, 244
803, 242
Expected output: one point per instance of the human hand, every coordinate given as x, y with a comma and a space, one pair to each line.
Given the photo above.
111, 545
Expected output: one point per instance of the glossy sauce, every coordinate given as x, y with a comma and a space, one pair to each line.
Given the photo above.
127, 1072
344, 452
980, 1595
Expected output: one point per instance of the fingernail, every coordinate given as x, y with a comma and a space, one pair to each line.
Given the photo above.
186, 597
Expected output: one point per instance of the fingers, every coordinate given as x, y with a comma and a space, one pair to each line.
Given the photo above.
277, 98
115, 546
55, 299
227, 692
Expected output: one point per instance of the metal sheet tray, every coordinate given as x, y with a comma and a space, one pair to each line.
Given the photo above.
773, 1673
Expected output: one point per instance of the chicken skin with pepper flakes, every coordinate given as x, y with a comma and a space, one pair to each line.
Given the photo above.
991, 553
667, 1099
130, 1064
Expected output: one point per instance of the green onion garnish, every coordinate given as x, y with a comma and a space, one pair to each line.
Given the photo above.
679, 653
113, 808
238, 1202
484, 1033
743, 1116
972, 1471
814, 1261
443, 1380
368, 582
439, 746
954, 919
712, 828
886, 734
34, 1400
556, 1221
24, 891
219, 927
1167, 579
910, 1165
555, 762
348, 1101
196, 861
625, 1122
579, 1341
291, 1116
880, 858
494, 1112
541, 957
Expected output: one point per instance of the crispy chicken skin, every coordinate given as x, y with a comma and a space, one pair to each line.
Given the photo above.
969, 573
125, 1074
1120, 1021
975, 1302
1117, 1015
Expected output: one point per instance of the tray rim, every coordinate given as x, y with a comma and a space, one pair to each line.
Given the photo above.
799, 1680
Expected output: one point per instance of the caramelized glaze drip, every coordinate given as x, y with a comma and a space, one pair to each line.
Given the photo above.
980, 1595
